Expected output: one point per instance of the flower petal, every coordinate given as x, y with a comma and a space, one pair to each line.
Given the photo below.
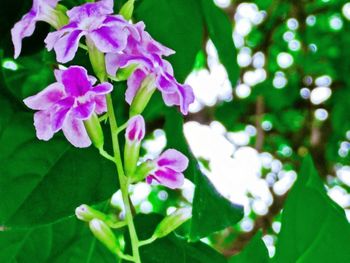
66, 46
109, 39
23, 28
101, 104
84, 111
173, 159
46, 98
58, 118
134, 83
183, 97
103, 88
75, 132
99, 8
169, 178
42, 123
136, 129
76, 81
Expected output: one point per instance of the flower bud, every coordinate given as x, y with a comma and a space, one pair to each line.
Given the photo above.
105, 235
97, 59
134, 134
127, 9
94, 130
125, 73
143, 170
172, 221
86, 213
143, 96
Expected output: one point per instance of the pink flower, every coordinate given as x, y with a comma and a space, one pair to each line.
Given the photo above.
147, 54
107, 32
42, 10
168, 169
66, 103
136, 130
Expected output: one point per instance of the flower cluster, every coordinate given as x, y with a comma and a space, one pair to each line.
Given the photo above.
72, 103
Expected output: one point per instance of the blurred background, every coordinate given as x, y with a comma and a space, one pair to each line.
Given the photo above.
290, 97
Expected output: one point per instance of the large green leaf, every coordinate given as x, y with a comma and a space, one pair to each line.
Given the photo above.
44, 181
172, 249
254, 252
314, 228
220, 32
207, 200
62, 242
177, 24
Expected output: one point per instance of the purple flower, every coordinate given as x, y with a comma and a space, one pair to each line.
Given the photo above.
42, 10
136, 130
66, 103
107, 32
168, 169
146, 53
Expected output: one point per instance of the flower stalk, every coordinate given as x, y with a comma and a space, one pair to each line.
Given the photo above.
100, 71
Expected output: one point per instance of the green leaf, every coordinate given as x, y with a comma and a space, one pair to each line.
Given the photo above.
62, 242
211, 211
220, 32
44, 181
254, 252
207, 200
314, 228
171, 249
176, 24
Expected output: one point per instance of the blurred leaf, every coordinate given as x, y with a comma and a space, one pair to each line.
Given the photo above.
254, 252
176, 24
314, 228
220, 32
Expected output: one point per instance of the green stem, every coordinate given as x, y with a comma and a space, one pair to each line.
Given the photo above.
98, 63
147, 241
124, 184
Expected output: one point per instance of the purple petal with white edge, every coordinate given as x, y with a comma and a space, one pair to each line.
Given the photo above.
109, 39
84, 111
169, 178
42, 123
67, 46
101, 104
99, 8
173, 159
76, 81
46, 98
75, 132
136, 129
58, 118
23, 28
134, 83
103, 88
183, 97
53, 37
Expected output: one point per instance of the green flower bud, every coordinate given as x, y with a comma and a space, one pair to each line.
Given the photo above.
127, 9
142, 171
94, 130
172, 221
135, 132
97, 59
105, 235
86, 213
143, 96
